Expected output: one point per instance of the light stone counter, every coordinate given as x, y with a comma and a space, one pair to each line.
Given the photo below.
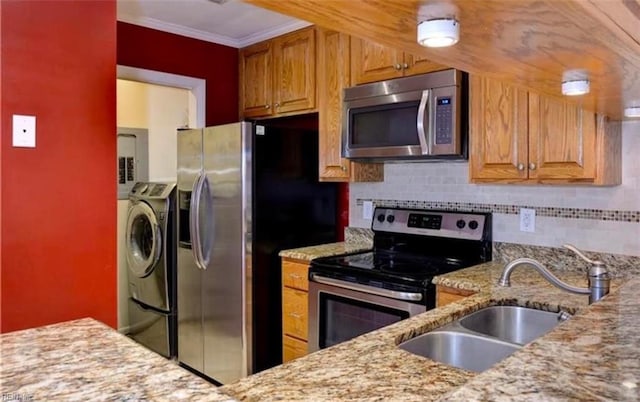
325, 250
594, 355
84, 360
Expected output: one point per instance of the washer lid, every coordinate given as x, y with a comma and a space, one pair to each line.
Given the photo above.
143, 239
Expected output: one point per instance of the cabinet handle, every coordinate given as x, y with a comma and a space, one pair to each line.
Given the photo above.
295, 315
520, 166
295, 276
532, 166
398, 66
267, 106
405, 66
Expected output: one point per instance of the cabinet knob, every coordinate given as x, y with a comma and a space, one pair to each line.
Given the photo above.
405, 66
520, 166
277, 104
532, 166
267, 106
397, 66
344, 168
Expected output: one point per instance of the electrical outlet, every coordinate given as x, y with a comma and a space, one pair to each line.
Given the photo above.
367, 210
527, 220
24, 131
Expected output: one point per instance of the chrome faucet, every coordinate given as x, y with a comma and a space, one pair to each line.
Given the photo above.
599, 279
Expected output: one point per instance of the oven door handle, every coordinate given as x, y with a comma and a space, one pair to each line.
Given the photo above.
409, 296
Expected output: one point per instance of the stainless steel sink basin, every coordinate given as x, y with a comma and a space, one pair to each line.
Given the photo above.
512, 324
463, 350
481, 339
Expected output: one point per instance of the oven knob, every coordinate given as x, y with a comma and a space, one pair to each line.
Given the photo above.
390, 218
381, 218
460, 224
473, 225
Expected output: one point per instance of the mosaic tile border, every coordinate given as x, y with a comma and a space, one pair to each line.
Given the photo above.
553, 212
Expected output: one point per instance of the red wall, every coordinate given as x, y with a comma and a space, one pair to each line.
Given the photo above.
160, 51
58, 204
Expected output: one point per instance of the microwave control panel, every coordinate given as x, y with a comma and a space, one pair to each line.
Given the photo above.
444, 120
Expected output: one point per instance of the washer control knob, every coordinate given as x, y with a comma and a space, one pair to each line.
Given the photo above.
473, 225
391, 218
381, 218
460, 223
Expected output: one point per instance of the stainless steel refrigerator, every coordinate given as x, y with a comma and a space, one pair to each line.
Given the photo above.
242, 197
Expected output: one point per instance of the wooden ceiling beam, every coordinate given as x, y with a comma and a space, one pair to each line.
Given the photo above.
526, 42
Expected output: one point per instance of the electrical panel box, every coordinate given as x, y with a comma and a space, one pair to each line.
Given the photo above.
133, 159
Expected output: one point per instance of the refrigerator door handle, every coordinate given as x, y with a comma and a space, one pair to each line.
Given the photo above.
194, 220
205, 250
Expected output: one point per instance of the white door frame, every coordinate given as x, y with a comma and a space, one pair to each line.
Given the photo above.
196, 85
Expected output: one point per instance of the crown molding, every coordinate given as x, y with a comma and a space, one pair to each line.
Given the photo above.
272, 33
211, 37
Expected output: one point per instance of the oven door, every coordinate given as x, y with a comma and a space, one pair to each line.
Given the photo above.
339, 310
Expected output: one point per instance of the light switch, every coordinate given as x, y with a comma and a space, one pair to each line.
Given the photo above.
367, 210
24, 131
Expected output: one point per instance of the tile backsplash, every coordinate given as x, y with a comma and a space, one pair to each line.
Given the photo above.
600, 219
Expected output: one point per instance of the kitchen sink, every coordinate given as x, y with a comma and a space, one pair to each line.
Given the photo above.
463, 350
509, 323
481, 339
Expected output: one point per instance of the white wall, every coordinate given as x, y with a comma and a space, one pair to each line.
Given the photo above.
448, 182
161, 110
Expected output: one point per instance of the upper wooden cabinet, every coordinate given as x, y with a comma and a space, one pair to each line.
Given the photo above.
372, 62
333, 77
278, 77
520, 136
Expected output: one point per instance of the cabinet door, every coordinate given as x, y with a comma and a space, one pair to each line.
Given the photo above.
295, 71
561, 140
333, 76
256, 79
498, 131
414, 64
372, 62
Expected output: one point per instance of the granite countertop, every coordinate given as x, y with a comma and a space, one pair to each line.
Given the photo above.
86, 360
325, 250
593, 355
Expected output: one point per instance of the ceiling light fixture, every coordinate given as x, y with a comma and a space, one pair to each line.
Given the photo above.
438, 32
575, 88
632, 111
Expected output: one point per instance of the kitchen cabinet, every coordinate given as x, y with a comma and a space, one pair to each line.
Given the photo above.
278, 77
446, 295
519, 136
295, 287
333, 76
372, 62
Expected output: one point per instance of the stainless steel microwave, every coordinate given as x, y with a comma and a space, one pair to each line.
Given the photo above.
413, 118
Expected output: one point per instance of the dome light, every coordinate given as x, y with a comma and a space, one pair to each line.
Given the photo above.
632, 111
575, 87
439, 32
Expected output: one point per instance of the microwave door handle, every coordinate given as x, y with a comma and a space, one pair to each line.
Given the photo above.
424, 116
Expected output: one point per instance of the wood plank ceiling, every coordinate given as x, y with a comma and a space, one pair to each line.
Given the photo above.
527, 42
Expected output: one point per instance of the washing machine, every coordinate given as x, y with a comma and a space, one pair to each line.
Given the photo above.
151, 259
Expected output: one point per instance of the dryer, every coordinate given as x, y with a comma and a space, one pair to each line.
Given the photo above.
151, 259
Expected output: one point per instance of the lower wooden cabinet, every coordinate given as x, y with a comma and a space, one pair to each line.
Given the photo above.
295, 305
446, 295
292, 348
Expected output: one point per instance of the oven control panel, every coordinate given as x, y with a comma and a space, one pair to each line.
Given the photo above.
458, 225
